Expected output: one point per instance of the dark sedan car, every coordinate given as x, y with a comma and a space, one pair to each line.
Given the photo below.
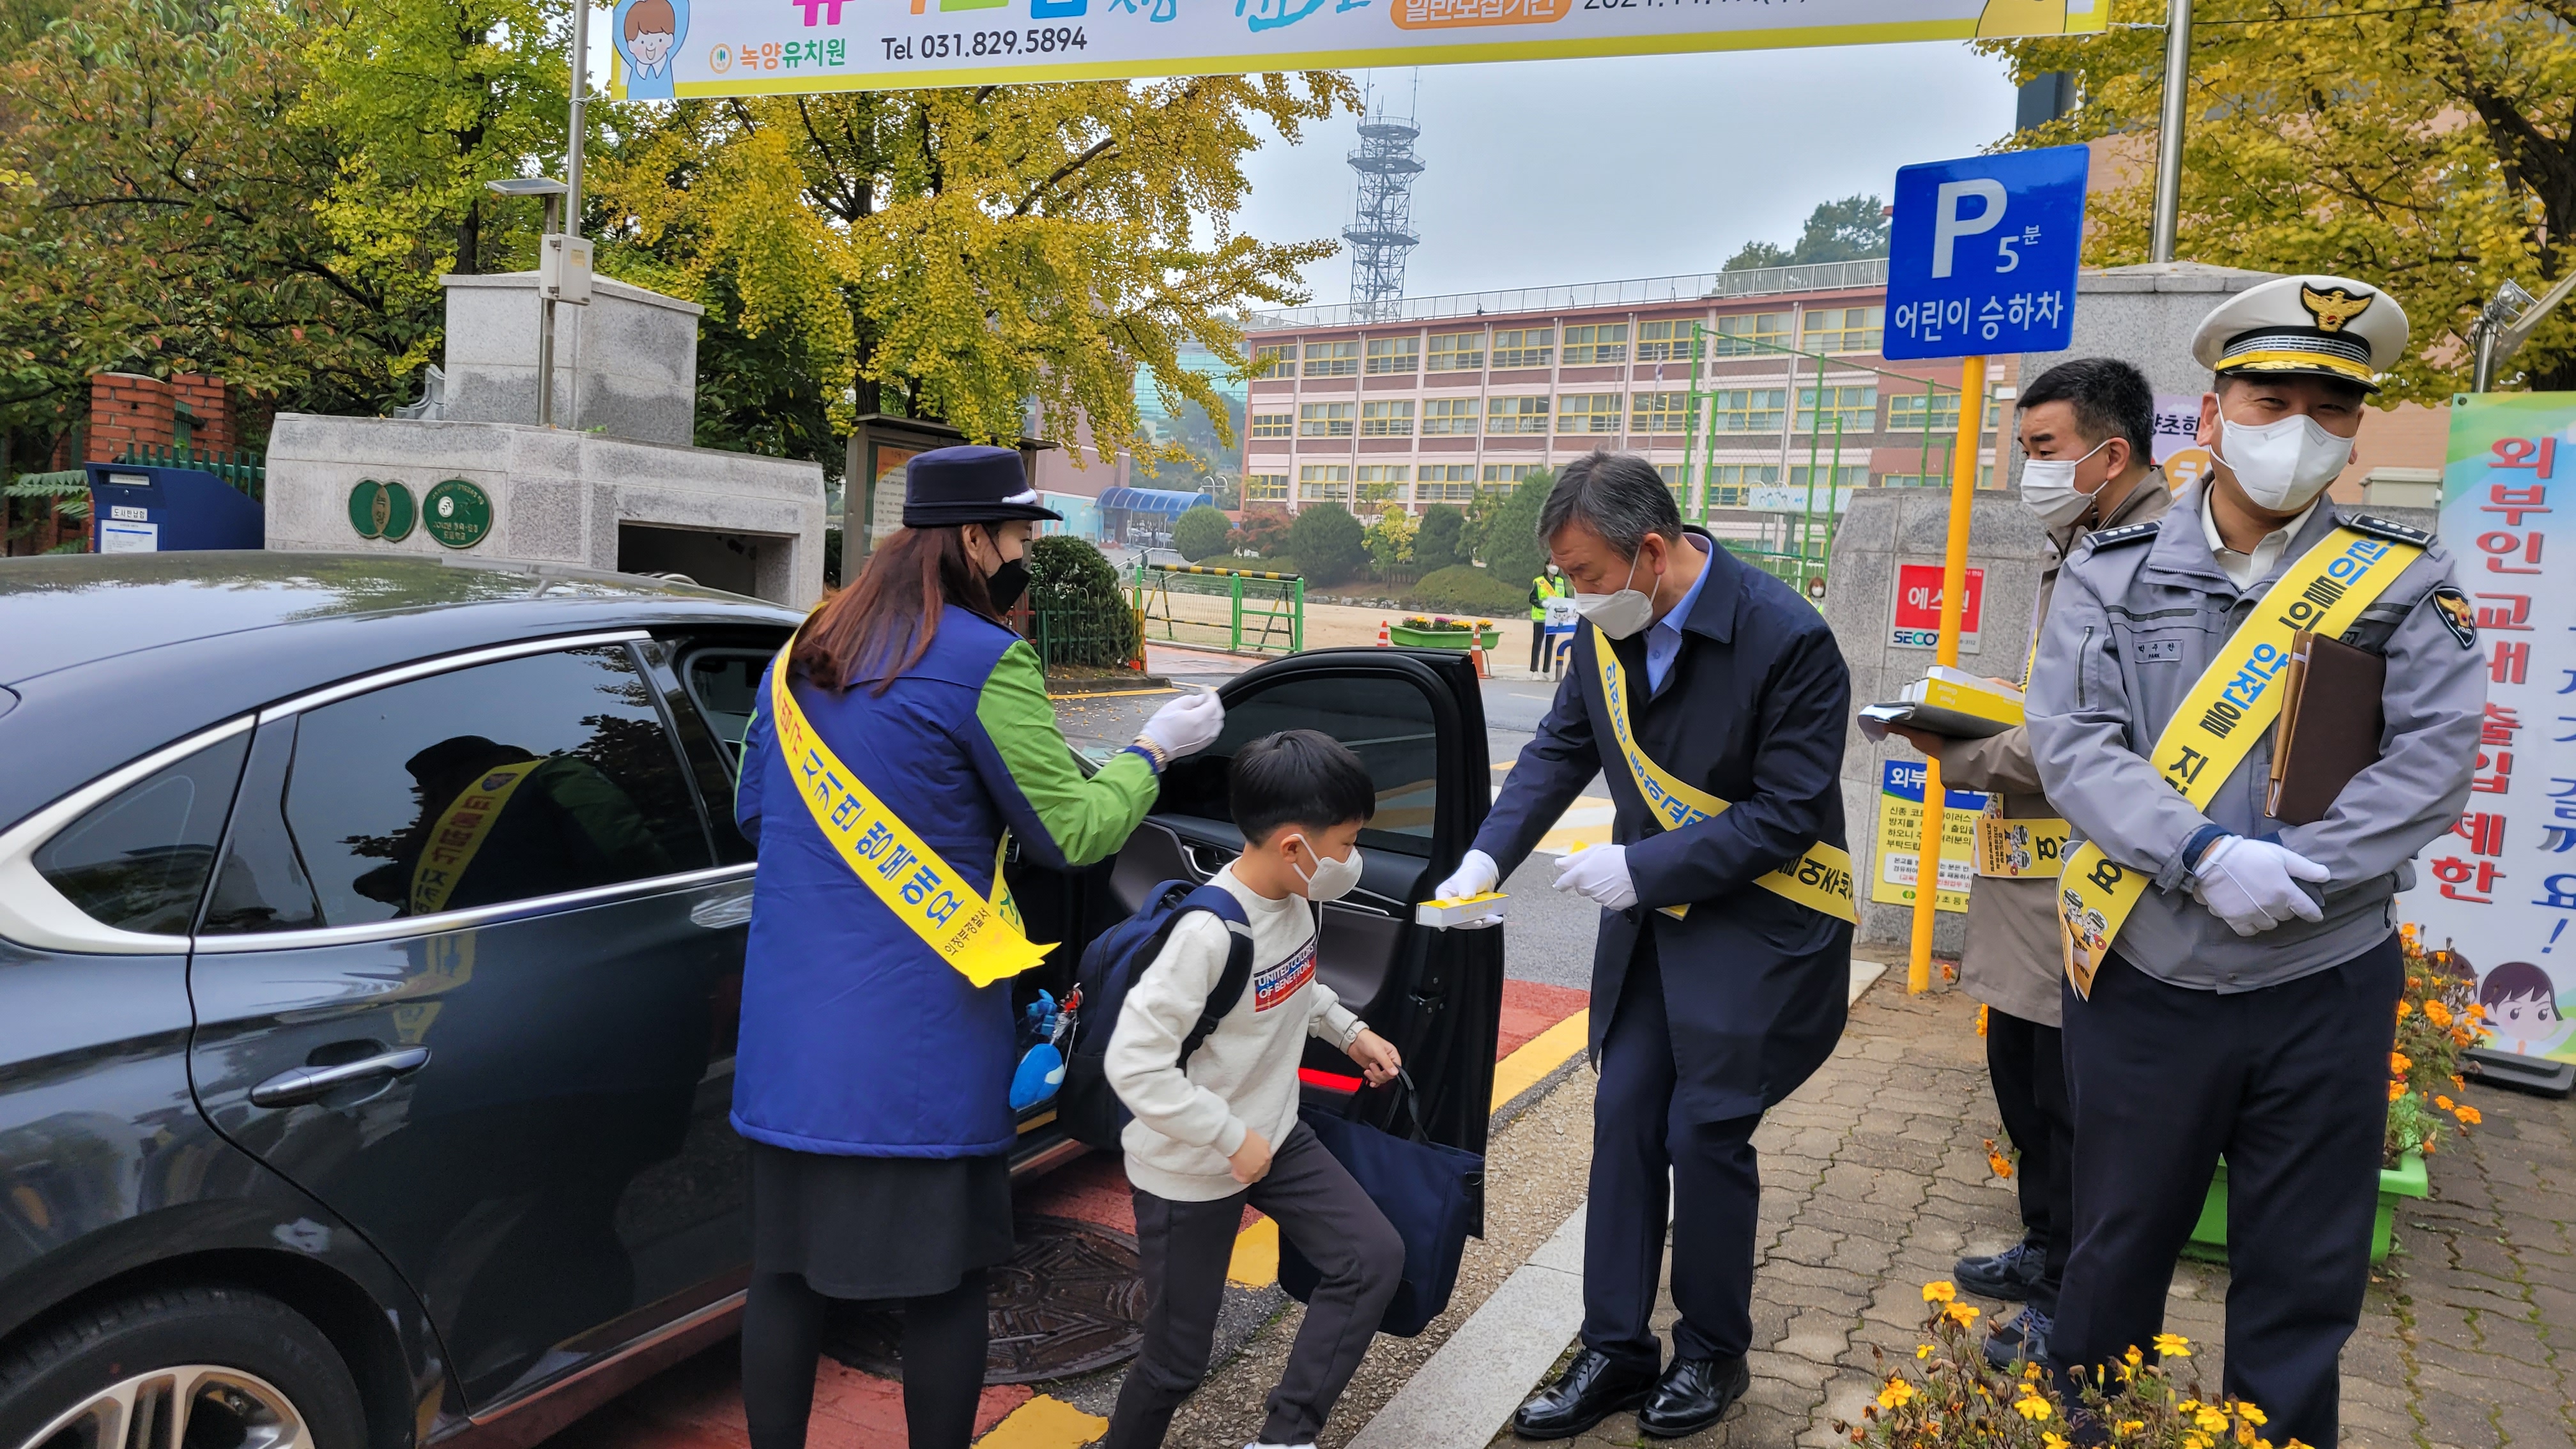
371, 939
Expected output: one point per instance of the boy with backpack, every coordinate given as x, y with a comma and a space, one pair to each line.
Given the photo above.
1217, 1127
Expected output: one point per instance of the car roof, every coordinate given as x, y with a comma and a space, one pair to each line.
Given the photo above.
109, 657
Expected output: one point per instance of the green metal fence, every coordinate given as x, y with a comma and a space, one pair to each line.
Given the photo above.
245, 471
1081, 637
1242, 611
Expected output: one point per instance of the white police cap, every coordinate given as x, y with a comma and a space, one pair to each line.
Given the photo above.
2315, 326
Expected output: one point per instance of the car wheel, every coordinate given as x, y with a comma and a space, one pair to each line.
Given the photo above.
181, 1368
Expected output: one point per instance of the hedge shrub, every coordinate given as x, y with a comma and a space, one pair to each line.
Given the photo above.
1331, 543
1202, 533
1087, 620
1466, 589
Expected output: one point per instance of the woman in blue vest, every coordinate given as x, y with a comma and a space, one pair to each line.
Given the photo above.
874, 1070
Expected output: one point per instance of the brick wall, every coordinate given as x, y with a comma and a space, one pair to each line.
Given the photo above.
126, 409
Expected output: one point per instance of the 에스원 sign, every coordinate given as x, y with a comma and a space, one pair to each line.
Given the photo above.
1915, 621
678, 48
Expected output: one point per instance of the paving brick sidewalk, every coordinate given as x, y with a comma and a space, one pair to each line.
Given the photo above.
1875, 1180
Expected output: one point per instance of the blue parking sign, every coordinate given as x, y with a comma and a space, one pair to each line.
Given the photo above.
1983, 254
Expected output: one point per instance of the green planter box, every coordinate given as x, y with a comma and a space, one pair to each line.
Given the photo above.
1440, 638
2406, 1179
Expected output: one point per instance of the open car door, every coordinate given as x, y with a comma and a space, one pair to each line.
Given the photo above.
1415, 718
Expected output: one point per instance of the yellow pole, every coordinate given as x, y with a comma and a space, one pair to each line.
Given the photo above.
1954, 593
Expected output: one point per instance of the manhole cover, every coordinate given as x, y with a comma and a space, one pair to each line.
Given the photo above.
1068, 1302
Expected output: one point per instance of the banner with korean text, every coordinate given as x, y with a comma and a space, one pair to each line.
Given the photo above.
2500, 888
670, 48
1900, 839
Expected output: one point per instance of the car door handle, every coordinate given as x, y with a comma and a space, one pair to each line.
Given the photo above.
305, 1084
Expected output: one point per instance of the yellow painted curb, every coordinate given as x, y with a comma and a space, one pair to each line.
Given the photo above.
1045, 1423
1256, 1255
1540, 1055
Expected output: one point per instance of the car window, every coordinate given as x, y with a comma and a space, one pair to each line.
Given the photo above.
722, 683
138, 861
1387, 722
521, 778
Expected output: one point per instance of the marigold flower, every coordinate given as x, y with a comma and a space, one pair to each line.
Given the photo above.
2034, 1408
2396, 1090
1961, 1314
2127, 1427
1939, 1291
2251, 1414
2442, 1102
2213, 1420
2436, 1013
2468, 1116
2052, 1441
2459, 1083
1981, 1020
2404, 1009
2195, 1441
1896, 1395
2173, 1345
2399, 1063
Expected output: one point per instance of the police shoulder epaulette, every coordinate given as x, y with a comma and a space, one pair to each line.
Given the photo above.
2126, 533
2384, 528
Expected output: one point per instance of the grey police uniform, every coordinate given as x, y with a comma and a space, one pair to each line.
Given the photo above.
2139, 614
2195, 1042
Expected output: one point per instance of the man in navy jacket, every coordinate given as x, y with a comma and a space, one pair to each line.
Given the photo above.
1699, 1023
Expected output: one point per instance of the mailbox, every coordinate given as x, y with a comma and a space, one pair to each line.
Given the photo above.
136, 508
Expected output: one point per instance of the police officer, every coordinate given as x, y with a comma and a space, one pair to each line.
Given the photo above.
1550, 584
2232, 980
2087, 432
910, 731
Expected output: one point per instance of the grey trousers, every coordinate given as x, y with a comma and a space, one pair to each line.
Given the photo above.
1184, 1248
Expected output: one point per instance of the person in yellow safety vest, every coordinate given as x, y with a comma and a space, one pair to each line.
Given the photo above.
1550, 584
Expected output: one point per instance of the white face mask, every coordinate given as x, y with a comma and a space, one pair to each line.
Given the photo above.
2048, 488
1332, 879
1621, 612
2282, 466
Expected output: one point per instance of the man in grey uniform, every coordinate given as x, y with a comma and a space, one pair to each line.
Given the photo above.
2087, 432
2232, 981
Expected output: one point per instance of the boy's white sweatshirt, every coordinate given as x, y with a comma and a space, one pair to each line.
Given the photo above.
1244, 1076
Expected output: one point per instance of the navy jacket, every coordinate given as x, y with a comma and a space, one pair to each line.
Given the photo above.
1754, 712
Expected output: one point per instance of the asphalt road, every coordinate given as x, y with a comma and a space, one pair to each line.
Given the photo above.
1547, 935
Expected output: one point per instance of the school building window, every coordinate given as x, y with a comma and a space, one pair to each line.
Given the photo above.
1449, 416
1332, 359
1515, 415
1850, 475
1383, 482
1664, 341
1325, 420
1324, 483
1731, 485
1386, 420
1746, 333
1837, 329
1911, 412
1855, 409
1596, 342
1660, 412
1457, 352
1507, 475
1588, 412
1273, 425
1445, 483
1747, 409
1265, 488
1276, 360
1985, 477
1675, 476
1524, 346
1394, 354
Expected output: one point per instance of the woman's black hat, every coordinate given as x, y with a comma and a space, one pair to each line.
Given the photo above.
976, 484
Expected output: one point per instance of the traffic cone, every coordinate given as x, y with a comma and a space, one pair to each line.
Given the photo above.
1476, 651
1383, 642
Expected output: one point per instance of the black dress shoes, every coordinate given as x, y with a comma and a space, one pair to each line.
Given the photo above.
1591, 1389
1693, 1394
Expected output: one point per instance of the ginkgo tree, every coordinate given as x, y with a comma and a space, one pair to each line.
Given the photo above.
2426, 147
1002, 258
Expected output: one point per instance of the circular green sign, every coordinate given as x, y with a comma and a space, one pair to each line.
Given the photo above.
457, 514
382, 510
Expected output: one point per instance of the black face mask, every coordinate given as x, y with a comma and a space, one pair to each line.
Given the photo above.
1007, 583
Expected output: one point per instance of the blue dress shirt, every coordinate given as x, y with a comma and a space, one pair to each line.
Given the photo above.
1664, 641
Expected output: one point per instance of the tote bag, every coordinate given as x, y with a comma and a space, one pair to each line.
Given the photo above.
1428, 1192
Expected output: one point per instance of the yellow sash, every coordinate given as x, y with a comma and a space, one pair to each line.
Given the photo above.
2229, 707
981, 938
459, 833
2018, 849
1819, 880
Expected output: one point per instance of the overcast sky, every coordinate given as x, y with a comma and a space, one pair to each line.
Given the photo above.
1544, 172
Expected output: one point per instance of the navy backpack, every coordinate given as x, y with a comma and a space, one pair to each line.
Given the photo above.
1087, 1109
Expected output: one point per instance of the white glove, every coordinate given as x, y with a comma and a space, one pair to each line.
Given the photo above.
2252, 885
1474, 876
1187, 724
1598, 873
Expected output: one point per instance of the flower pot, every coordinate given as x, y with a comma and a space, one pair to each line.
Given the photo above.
1439, 638
2406, 1179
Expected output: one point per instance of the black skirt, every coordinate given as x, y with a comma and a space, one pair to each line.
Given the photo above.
878, 1227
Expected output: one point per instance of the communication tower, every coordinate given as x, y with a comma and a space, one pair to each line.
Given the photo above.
1381, 232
